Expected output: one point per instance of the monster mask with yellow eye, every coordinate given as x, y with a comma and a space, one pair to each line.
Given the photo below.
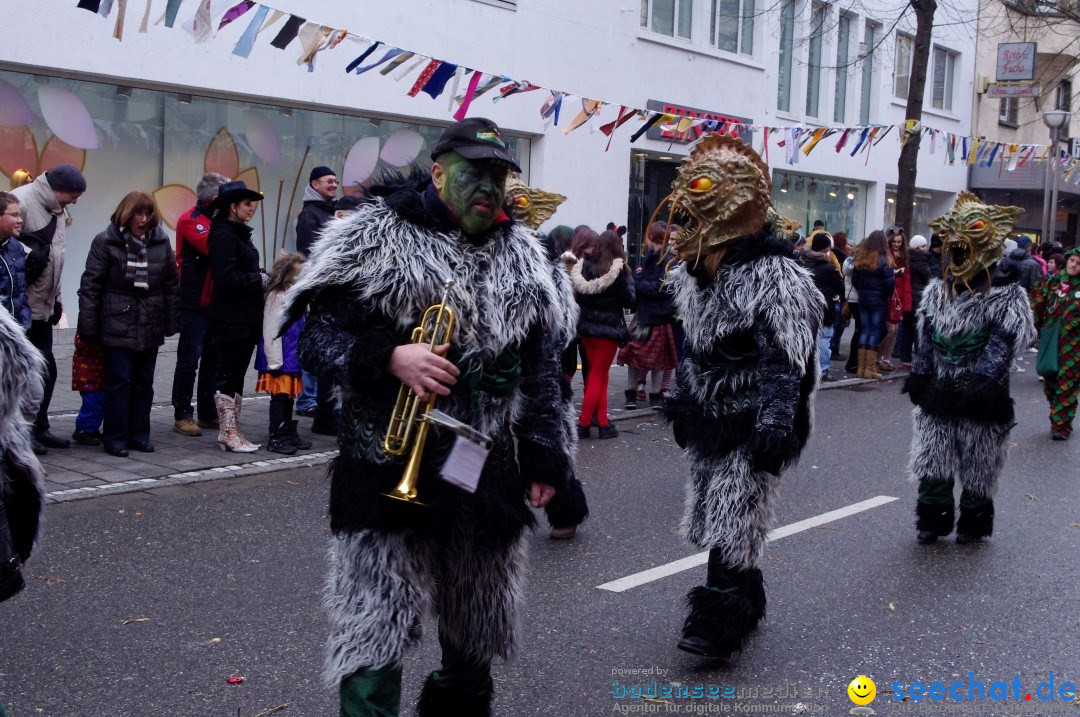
972, 236
529, 205
722, 194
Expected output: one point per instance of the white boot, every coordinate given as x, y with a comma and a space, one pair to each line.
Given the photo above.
229, 437
251, 447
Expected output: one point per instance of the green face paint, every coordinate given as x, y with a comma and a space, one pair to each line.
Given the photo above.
474, 191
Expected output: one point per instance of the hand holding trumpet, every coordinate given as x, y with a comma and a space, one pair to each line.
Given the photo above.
423, 369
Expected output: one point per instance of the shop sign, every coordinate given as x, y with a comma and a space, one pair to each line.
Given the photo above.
680, 111
1012, 90
1015, 61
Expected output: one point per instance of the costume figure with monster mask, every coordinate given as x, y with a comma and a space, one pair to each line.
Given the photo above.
742, 405
461, 555
969, 332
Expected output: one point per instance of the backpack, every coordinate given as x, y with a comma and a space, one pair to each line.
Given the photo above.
39, 244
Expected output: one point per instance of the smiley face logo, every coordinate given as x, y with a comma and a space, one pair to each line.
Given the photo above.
862, 690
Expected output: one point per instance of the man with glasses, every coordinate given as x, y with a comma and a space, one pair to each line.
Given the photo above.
12, 261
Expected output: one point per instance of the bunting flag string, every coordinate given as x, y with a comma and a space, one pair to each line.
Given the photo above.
436, 75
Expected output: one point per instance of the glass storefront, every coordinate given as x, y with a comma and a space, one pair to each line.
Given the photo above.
162, 142
922, 211
840, 203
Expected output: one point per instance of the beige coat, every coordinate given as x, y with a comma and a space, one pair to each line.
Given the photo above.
38, 204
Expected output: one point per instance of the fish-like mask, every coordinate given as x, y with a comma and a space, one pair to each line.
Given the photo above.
972, 236
529, 205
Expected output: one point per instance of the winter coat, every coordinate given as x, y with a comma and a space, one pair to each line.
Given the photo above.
1020, 268
875, 287
655, 305
827, 280
193, 258
13, 280
936, 270
114, 312
313, 217
920, 273
39, 205
234, 264
278, 353
602, 298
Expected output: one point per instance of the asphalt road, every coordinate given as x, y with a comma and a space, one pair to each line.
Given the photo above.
145, 604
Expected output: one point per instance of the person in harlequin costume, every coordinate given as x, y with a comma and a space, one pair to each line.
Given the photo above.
460, 556
969, 331
742, 404
1059, 298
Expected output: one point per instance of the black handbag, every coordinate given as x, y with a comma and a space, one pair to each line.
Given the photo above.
11, 577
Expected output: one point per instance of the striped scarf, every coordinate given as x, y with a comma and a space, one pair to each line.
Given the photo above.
137, 271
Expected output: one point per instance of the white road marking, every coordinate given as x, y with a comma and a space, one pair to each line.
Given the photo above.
693, 561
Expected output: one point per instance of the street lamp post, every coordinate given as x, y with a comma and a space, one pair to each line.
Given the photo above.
1054, 120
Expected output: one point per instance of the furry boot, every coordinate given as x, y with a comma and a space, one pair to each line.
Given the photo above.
436, 701
723, 613
229, 437
933, 520
870, 370
975, 523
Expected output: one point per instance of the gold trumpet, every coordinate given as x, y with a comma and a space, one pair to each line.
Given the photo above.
409, 421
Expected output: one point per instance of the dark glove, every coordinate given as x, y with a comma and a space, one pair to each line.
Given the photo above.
678, 427
771, 448
58, 311
915, 386
988, 400
88, 339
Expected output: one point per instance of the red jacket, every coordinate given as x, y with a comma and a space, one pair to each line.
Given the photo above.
193, 258
903, 284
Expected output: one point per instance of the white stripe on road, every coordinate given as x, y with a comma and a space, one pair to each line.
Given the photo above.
693, 561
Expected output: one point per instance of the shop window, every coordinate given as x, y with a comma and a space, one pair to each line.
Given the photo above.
902, 70
944, 71
668, 17
732, 26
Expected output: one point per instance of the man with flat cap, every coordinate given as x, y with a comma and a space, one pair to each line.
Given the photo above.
460, 555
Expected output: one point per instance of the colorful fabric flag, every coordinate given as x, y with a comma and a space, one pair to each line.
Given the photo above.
363, 56
458, 74
313, 38
390, 54
425, 76
202, 27
235, 12
171, 9
247, 40
620, 120
395, 63
645, 127
469, 92
288, 33
406, 69
588, 109
146, 17
435, 86
91, 5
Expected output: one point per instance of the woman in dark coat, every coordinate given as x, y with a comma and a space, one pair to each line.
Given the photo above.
235, 315
652, 340
129, 301
603, 289
873, 278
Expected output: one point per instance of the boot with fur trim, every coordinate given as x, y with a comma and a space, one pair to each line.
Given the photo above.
723, 613
975, 524
933, 520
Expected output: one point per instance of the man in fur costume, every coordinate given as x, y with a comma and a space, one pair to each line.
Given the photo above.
969, 332
742, 403
22, 483
460, 556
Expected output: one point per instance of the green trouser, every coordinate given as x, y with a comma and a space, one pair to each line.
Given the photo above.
377, 692
940, 492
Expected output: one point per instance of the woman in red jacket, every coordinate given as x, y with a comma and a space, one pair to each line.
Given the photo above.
898, 260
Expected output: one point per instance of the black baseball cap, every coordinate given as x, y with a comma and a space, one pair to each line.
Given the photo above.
475, 138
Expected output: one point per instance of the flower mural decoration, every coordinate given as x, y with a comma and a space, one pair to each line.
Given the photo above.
19, 150
222, 157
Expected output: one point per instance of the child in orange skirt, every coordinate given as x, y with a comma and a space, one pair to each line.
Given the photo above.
276, 360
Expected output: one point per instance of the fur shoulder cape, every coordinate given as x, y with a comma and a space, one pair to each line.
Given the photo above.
1002, 307
398, 268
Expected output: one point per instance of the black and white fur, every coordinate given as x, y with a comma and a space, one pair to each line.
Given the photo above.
22, 482
369, 279
743, 421
963, 412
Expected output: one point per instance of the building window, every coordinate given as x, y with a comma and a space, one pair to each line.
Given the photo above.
902, 71
813, 63
869, 41
732, 27
1009, 112
787, 48
944, 70
667, 17
1063, 96
843, 40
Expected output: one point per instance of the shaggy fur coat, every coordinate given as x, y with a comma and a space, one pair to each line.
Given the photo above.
368, 281
742, 405
22, 483
960, 382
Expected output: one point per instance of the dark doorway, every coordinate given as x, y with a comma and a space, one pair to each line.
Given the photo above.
650, 181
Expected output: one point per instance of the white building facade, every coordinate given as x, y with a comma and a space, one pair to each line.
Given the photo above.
165, 108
